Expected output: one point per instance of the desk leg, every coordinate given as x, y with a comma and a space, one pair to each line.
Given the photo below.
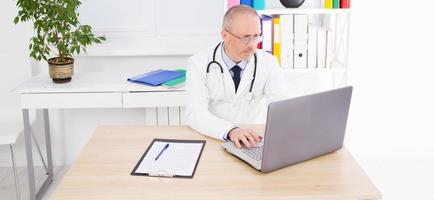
48, 144
29, 155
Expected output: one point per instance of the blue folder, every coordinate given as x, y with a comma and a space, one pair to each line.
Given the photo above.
157, 77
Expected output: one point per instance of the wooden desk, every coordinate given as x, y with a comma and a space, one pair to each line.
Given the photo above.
102, 171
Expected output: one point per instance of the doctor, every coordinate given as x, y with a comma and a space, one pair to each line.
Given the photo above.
228, 83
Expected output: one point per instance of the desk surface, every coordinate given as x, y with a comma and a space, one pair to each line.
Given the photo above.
88, 82
102, 171
97, 90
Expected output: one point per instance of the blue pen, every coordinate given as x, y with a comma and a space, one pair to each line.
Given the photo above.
162, 150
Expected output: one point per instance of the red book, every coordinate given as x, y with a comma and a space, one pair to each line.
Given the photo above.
345, 3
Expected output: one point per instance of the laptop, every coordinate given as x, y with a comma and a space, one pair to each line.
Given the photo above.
299, 129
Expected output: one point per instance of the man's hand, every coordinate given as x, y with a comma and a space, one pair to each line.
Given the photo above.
244, 136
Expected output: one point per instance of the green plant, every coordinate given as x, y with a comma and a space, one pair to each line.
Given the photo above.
56, 25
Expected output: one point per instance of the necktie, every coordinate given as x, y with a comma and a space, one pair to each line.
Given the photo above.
237, 76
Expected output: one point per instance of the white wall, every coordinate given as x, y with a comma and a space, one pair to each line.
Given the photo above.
391, 67
14, 67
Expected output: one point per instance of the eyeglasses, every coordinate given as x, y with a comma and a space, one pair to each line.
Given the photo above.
247, 39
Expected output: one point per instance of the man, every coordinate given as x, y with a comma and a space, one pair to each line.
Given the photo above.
228, 83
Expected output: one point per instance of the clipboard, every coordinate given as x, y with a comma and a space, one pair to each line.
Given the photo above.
170, 158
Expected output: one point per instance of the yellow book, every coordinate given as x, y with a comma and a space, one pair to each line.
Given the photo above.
276, 38
328, 4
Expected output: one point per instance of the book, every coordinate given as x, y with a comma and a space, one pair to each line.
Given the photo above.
232, 3
345, 3
336, 4
259, 4
328, 4
247, 2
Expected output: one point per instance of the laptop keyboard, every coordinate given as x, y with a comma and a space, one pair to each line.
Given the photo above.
255, 153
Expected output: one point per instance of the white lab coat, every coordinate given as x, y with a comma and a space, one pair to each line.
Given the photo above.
213, 108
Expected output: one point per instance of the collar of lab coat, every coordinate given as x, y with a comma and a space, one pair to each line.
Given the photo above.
246, 78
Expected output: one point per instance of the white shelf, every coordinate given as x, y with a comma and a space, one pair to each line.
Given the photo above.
303, 11
313, 70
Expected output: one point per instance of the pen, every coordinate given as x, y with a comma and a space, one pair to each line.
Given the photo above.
162, 150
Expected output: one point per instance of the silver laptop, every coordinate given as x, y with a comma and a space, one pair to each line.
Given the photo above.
299, 129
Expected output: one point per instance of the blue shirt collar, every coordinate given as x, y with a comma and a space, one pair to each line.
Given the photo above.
229, 62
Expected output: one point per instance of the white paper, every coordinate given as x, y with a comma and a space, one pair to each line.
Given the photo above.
177, 159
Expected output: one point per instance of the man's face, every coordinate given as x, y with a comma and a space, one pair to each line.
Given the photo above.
239, 37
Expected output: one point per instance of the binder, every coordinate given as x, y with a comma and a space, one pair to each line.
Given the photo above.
321, 47
286, 41
312, 46
156, 78
330, 48
330, 24
267, 26
170, 158
300, 41
276, 38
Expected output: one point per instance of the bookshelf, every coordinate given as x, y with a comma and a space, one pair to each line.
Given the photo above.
340, 18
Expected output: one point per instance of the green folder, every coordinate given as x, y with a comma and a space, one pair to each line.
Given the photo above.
178, 82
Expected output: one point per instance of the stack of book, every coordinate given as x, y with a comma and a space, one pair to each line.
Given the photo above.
166, 78
329, 4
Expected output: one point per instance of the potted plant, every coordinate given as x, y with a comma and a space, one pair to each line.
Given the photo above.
57, 32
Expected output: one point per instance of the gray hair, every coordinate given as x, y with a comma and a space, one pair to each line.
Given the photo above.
237, 10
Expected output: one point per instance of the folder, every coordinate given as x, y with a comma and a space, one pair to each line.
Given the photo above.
175, 83
156, 78
276, 38
170, 158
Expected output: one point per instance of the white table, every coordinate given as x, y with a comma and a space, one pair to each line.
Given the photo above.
86, 90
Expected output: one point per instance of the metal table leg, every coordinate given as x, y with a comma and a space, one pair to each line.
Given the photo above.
29, 154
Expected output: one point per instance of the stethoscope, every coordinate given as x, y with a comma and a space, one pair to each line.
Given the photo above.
249, 96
